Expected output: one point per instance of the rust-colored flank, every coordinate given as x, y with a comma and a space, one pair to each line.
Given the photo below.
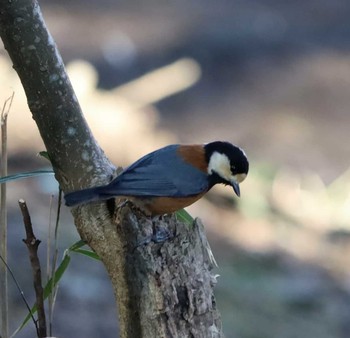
166, 205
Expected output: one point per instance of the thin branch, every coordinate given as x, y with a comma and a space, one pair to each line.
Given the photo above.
32, 244
3, 218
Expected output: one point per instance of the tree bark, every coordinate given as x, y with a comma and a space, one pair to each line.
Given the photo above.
162, 290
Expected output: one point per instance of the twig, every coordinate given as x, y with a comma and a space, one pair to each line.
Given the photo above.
3, 219
32, 244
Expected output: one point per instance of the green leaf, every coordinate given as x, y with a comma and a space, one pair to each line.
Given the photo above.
27, 174
52, 282
45, 154
183, 216
48, 287
88, 253
76, 245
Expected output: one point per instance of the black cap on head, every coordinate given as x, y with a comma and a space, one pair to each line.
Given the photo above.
237, 157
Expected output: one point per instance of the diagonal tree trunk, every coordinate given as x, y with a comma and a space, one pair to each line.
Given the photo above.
162, 290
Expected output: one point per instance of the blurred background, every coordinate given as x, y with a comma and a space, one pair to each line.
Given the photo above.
270, 76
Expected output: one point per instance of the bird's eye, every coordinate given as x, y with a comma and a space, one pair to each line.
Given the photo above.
233, 168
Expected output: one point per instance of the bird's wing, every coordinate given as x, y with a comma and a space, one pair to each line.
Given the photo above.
161, 173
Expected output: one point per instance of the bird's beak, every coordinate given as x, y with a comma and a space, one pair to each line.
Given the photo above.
235, 180
235, 187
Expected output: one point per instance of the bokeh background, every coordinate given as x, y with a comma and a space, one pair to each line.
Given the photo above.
271, 76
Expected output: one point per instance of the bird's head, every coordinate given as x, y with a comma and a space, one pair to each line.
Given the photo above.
227, 164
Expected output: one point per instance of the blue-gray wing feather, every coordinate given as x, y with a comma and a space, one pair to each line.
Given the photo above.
161, 173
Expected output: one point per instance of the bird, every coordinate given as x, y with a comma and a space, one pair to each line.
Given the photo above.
172, 178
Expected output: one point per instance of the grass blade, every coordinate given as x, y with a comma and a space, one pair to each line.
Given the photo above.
27, 174
183, 216
89, 253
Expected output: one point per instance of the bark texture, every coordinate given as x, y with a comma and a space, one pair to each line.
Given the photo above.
169, 287
162, 290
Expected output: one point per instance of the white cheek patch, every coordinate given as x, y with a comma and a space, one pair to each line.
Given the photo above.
220, 164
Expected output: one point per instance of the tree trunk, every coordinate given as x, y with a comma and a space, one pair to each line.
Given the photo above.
162, 290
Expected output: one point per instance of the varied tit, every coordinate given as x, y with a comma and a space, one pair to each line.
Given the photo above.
172, 177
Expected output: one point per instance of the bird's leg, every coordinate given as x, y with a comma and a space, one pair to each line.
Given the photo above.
160, 233
122, 203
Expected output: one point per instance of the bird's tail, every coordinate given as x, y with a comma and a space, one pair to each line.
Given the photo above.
81, 196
